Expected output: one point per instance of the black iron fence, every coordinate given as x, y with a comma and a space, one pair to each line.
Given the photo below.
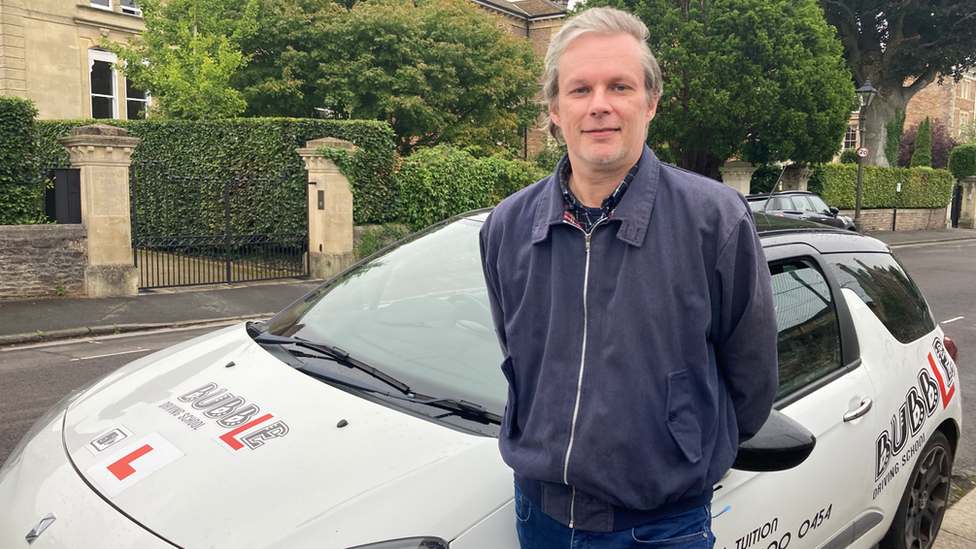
190, 230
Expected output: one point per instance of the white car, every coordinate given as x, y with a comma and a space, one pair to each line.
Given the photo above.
365, 415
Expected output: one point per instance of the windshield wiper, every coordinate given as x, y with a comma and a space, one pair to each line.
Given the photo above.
462, 408
335, 354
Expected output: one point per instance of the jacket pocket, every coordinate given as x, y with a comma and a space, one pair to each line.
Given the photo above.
682, 418
509, 418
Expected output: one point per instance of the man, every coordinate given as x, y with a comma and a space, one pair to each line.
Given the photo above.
633, 305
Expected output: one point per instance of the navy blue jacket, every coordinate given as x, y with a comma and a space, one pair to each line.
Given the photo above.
637, 359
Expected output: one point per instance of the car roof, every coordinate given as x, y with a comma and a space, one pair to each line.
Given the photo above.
775, 230
778, 231
760, 196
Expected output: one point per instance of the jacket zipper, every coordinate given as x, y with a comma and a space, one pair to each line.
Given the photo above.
579, 382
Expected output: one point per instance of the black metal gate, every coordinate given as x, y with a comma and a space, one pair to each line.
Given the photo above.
191, 230
956, 205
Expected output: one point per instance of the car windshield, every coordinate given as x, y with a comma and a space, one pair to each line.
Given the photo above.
419, 313
757, 204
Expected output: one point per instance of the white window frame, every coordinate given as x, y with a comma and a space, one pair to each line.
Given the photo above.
107, 57
851, 128
101, 7
136, 11
146, 103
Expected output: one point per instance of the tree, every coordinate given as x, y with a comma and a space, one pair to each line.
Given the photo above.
187, 55
902, 46
439, 71
759, 79
941, 141
922, 157
894, 129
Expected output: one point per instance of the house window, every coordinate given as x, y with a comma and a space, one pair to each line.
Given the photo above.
102, 4
850, 138
129, 7
102, 84
136, 101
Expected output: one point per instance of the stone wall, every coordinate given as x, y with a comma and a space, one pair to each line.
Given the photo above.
42, 260
913, 219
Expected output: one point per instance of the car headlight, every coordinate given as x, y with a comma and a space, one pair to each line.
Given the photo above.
49, 417
407, 543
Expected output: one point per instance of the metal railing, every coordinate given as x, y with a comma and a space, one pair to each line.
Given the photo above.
190, 230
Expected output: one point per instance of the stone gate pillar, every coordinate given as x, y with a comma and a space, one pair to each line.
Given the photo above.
967, 211
796, 178
329, 210
102, 154
737, 175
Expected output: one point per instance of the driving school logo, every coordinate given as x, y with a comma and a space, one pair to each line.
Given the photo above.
246, 426
920, 403
944, 370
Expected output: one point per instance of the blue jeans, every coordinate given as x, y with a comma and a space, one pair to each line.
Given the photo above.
689, 530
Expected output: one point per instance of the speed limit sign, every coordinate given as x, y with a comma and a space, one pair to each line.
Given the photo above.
862, 152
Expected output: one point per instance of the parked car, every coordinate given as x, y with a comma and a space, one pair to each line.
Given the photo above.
800, 205
365, 415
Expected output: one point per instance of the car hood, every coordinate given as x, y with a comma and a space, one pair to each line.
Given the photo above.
216, 443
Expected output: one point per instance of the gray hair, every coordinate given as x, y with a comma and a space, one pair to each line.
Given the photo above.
606, 21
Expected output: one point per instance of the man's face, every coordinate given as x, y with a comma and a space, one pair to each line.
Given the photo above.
602, 107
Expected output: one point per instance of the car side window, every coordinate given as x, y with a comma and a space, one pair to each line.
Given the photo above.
806, 318
880, 281
818, 204
802, 204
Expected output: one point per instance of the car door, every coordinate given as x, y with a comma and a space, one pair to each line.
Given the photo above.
824, 387
904, 354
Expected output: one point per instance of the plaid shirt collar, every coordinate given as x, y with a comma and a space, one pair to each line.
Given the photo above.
577, 214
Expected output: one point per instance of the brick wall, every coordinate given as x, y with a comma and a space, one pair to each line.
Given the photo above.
37, 260
913, 219
933, 101
953, 102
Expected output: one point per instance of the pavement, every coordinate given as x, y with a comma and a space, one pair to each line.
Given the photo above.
33, 320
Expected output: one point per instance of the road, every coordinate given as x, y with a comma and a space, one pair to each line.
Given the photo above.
946, 274
35, 377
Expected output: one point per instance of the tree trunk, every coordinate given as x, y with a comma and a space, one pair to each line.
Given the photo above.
703, 162
880, 113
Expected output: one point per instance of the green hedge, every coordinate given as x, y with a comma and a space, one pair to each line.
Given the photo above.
21, 192
920, 187
439, 182
848, 156
962, 161
763, 179
248, 147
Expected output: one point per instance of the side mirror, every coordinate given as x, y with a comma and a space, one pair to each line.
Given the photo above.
833, 210
780, 444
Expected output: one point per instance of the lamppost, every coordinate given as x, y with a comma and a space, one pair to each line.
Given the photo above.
865, 94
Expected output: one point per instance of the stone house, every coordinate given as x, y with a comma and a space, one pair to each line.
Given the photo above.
50, 53
953, 102
539, 21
